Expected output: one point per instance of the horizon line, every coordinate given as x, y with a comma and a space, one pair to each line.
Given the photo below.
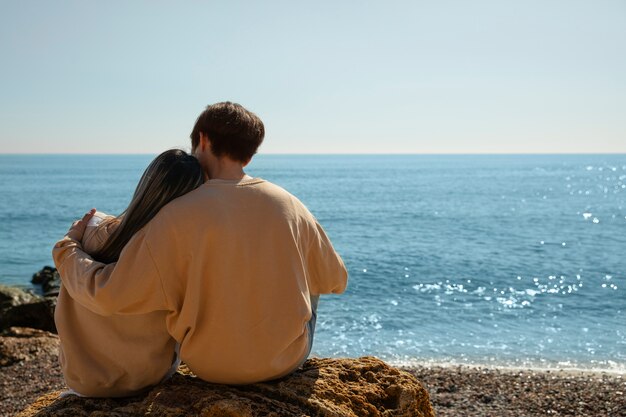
327, 153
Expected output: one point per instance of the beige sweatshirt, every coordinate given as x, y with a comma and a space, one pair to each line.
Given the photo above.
116, 355
233, 264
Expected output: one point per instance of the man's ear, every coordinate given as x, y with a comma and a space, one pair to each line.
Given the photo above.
204, 141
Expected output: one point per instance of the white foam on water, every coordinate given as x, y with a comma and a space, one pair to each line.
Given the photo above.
565, 367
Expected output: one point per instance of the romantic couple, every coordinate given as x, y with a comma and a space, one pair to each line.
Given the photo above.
206, 265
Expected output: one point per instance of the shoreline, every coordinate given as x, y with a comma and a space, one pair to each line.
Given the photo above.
559, 371
454, 390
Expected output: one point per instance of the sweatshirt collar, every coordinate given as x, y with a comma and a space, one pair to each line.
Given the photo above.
246, 180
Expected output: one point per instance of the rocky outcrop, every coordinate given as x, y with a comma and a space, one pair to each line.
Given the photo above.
322, 387
49, 279
13, 296
21, 308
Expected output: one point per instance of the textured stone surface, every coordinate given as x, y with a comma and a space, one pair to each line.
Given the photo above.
13, 296
21, 308
22, 344
49, 279
35, 315
323, 387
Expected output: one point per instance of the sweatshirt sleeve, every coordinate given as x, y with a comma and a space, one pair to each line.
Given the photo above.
327, 273
130, 286
97, 232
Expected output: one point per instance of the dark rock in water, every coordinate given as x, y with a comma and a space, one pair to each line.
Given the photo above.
322, 387
19, 308
49, 280
51, 289
20, 344
46, 274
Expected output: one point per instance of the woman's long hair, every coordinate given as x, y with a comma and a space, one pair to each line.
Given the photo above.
171, 174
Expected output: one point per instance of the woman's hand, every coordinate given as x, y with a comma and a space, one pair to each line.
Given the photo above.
77, 230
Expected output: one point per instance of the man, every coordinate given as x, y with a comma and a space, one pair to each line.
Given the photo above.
237, 263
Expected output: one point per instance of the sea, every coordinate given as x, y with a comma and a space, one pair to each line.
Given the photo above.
515, 261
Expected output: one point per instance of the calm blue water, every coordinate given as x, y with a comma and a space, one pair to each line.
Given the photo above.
501, 260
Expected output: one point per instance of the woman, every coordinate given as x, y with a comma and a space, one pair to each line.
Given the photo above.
120, 355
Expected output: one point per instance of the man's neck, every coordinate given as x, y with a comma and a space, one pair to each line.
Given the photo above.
226, 169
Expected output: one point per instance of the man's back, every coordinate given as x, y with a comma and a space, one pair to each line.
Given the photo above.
239, 264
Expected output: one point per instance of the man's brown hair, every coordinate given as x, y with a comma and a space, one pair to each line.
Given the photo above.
232, 130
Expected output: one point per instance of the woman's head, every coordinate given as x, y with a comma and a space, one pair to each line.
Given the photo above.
170, 175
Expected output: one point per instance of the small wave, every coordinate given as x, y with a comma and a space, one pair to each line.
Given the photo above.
595, 368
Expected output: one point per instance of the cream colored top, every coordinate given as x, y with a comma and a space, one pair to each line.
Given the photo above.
112, 356
233, 264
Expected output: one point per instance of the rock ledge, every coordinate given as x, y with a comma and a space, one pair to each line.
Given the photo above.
322, 387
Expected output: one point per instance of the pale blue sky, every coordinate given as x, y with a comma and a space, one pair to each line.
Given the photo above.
325, 76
